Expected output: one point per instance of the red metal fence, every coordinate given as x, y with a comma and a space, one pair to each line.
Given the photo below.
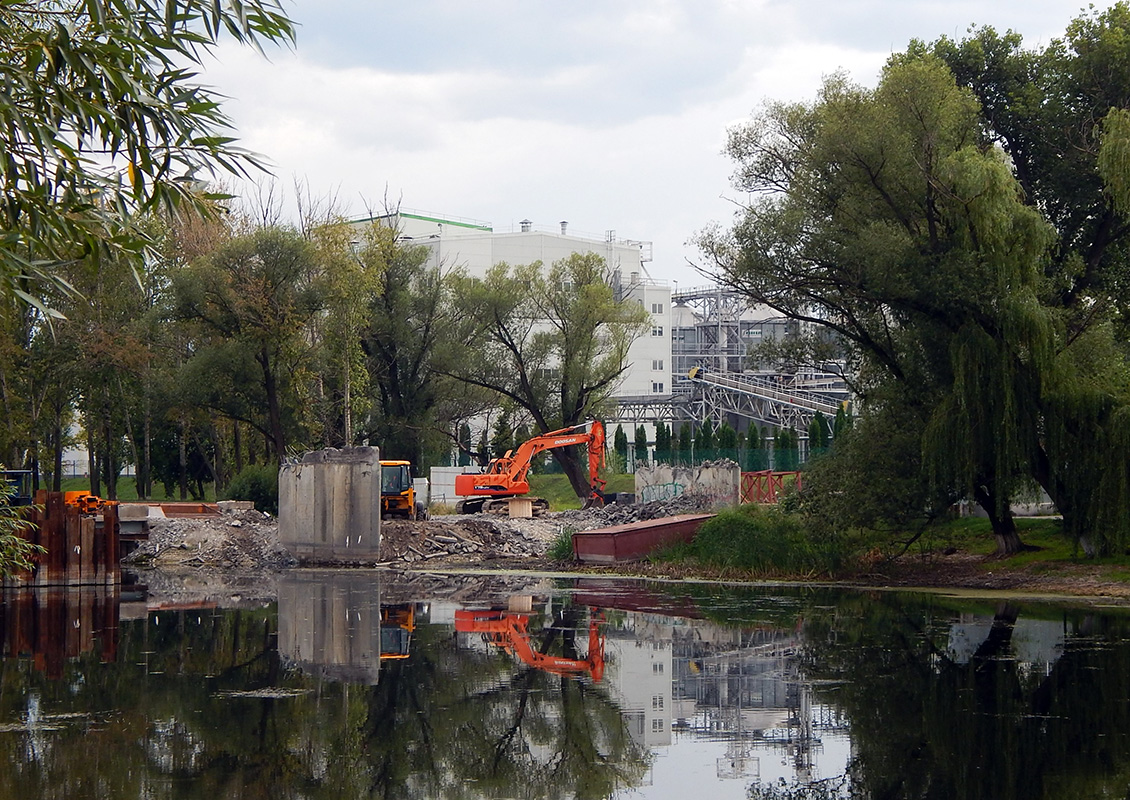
766, 486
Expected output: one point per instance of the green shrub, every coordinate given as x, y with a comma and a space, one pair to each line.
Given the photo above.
562, 547
766, 540
259, 484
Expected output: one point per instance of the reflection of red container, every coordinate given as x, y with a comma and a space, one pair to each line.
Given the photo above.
635, 540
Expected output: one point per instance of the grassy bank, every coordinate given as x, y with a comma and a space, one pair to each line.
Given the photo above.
557, 490
763, 542
127, 490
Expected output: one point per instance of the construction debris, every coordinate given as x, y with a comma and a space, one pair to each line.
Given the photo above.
248, 540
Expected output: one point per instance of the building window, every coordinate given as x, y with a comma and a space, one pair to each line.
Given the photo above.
657, 667
657, 364
656, 308
657, 387
657, 702
656, 330
657, 726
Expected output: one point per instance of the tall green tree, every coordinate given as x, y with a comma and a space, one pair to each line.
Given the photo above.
818, 431
662, 440
884, 216
410, 326
704, 437
641, 443
1062, 114
726, 438
686, 441
502, 438
620, 444
552, 341
252, 303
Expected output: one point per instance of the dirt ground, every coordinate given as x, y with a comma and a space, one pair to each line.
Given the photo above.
246, 542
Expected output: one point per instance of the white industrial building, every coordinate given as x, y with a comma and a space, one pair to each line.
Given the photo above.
476, 246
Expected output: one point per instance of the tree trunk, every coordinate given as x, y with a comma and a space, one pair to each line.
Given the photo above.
219, 459
145, 487
575, 471
210, 463
1004, 525
274, 412
33, 456
183, 455
57, 444
92, 461
237, 446
109, 462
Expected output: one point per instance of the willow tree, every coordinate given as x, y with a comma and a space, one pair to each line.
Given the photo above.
885, 216
101, 116
1061, 114
553, 341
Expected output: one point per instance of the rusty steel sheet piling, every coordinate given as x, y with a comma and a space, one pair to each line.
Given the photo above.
80, 548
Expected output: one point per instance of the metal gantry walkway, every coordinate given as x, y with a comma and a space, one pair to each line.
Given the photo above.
780, 401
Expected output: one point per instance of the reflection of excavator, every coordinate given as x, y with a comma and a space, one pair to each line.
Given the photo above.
398, 621
510, 631
505, 476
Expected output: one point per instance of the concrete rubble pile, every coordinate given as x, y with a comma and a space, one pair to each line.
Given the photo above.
615, 514
467, 537
248, 540
233, 541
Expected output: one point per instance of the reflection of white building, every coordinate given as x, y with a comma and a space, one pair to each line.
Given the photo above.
476, 246
638, 652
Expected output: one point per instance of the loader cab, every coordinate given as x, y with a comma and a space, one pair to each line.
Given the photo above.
396, 477
398, 497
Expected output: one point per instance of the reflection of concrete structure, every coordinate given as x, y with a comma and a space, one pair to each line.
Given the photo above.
674, 677
330, 623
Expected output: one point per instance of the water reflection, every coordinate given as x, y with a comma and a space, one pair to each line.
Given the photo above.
363, 684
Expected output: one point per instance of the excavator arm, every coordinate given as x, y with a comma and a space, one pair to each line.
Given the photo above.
510, 632
506, 476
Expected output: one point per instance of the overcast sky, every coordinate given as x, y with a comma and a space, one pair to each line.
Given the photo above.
610, 115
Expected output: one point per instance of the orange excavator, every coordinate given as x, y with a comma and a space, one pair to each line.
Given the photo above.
510, 631
505, 476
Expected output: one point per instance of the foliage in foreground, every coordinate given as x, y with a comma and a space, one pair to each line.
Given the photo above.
16, 553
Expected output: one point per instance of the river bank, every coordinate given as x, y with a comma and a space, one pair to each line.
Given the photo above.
247, 542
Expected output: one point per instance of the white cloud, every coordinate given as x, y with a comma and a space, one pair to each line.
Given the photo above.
611, 116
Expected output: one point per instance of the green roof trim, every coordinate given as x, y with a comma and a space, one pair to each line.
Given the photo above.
471, 225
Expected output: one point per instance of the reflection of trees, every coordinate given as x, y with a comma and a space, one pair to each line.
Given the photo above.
926, 726
162, 722
460, 724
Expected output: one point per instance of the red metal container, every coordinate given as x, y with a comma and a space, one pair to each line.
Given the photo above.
635, 540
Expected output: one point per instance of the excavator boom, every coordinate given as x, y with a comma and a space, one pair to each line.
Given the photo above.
506, 476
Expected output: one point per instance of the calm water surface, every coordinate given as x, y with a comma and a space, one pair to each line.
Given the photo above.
373, 684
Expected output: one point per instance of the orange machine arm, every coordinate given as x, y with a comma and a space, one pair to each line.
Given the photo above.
511, 633
506, 475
